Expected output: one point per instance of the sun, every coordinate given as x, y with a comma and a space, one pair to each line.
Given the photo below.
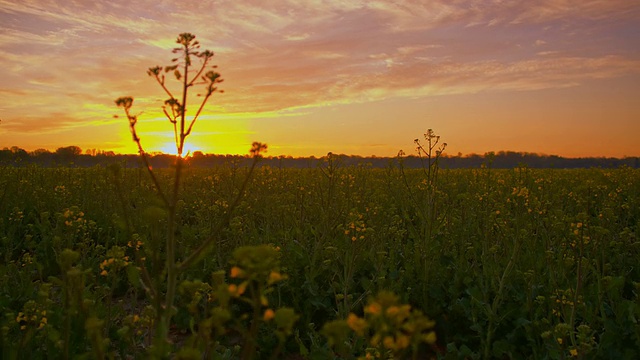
170, 148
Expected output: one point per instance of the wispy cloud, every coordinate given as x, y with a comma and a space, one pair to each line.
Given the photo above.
69, 59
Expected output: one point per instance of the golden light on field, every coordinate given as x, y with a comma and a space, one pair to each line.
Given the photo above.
353, 77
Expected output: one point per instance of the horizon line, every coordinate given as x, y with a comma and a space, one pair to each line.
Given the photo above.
372, 156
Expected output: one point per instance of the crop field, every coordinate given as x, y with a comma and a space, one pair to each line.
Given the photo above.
329, 262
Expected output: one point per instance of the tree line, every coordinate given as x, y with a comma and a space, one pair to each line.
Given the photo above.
73, 156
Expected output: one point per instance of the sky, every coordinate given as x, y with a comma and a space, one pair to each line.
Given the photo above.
555, 77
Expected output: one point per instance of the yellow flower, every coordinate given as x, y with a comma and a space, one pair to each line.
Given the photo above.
233, 289
375, 340
388, 343
373, 308
402, 341
275, 277
237, 290
392, 310
356, 324
559, 341
242, 287
573, 352
268, 315
235, 272
430, 338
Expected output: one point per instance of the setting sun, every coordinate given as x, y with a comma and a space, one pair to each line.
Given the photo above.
170, 148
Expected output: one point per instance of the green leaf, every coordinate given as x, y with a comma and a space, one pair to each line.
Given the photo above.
285, 319
133, 275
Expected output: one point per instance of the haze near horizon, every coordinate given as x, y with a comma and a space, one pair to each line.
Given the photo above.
365, 78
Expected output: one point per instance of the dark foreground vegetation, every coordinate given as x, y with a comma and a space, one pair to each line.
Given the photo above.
520, 263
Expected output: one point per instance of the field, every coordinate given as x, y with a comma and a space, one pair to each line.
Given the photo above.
522, 263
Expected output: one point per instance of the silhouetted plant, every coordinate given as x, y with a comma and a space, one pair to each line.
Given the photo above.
423, 213
189, 74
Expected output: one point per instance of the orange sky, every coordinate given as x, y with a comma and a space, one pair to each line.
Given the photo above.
348, 76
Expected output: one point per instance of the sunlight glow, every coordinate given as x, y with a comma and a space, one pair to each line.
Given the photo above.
170, 148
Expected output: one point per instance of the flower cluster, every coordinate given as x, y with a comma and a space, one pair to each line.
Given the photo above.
137, 243
61, 191
573, 342
387, 326
115, 260
32, 316
194, 293
75, 227
258, 266
16, 215
579, 231
27, 259
73, 215
138, 325
356, 228
563, 299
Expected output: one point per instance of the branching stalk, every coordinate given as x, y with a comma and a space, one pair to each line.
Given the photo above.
172, 270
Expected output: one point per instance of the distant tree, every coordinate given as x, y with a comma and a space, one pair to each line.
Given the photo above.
18, 151
69, 151
5, 155
40, 152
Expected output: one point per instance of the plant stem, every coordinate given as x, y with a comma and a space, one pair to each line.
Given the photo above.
497, 301
197, 254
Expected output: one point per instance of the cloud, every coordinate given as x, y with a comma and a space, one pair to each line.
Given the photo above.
47, 124
296, 37
69, 60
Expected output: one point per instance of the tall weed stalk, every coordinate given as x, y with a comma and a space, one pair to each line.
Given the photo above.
185, 69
